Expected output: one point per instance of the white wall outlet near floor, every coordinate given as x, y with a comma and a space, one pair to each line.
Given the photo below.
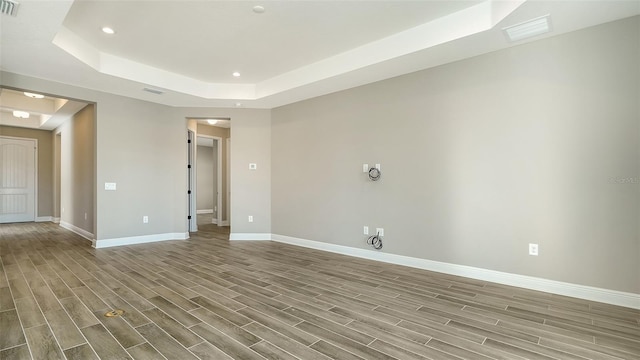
533, 249
110, 186
365, 230
250, 218
145, 219
253, 166
380, 231
365, 168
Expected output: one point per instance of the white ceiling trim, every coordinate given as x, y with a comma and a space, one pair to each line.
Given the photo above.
466, 22
475, 19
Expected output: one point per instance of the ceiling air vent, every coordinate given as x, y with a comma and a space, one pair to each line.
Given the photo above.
9, 7
153, 91
527, 29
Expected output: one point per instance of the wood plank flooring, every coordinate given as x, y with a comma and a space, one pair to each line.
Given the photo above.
207, 298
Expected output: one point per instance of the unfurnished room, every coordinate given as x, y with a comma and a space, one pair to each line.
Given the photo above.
320, 179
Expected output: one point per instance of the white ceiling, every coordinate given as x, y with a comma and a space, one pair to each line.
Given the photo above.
293, 51
46, 114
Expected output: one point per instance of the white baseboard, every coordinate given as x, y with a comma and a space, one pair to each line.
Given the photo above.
103, 243
249, 236
224, 223
614, 297
56, 220
204, 211
44, 218
84, 233
214, 221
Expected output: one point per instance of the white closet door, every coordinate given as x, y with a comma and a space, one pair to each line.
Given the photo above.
17, 180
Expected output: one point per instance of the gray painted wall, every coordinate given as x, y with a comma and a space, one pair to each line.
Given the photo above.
206, 182
77, 169
480, 158
45, 165
250, 189
142, 147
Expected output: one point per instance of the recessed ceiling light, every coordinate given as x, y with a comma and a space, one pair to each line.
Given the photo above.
108, 30
238, 104
236, 74
33, 95
258, 9
212, 121
527, 29
21, 114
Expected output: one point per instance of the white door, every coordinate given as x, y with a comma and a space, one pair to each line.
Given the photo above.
17, 180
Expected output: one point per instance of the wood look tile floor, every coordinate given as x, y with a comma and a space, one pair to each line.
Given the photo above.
207, 298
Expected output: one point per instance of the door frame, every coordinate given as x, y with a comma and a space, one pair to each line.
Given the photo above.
218, 175
35, 172
192, 223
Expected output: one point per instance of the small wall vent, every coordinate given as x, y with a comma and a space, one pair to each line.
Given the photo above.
153, 91
9, 7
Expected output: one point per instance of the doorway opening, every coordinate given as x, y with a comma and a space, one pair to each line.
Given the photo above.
209, 175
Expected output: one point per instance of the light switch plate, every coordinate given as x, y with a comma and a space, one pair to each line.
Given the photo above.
110, 186
253, 166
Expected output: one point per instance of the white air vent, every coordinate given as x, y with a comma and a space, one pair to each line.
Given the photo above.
9, 7
527, 29
153, 91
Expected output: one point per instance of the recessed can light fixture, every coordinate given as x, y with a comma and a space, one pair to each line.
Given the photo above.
33, 95
108, 30
21, 114
236, 74
238, 104
212, 121
258, 9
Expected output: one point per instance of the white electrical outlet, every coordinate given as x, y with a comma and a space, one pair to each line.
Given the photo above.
365, 168
145, 219
378, 167
380, 231
253, 166
110, 186
533, 249
250, 218
366, 230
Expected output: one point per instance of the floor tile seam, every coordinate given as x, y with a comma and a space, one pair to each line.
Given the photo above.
325, 319
46, 321
325, 328
545, 331
455, 346
551, 316
15, 346
229, 338
382, 351
145, 342
336, 345
598, 333
266, 341
457, 315
537, 352
587, 349
623, 322
495, 332
169, 335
